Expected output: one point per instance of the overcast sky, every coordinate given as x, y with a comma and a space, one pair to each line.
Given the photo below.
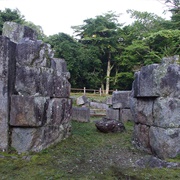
56, 16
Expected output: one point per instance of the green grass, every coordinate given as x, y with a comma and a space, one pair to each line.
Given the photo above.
86, 154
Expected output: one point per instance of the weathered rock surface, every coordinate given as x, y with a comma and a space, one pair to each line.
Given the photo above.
158, 80
165, 142
59, 112
98, 105
7, 74
154, 162
125, 115
28, 111
107, 126
17, 32
142, 110
34, 53
145, 83
166, 112
120, 99
155, 107
34, 92
81, 100
37, 139
108, 100
141, 137
112, 114
81, 114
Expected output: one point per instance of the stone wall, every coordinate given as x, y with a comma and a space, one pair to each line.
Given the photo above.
155, 106
35, 107
120, 109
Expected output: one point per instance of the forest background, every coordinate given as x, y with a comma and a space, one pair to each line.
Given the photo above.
105, 54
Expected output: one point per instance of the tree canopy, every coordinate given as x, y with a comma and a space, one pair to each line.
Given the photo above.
106, 54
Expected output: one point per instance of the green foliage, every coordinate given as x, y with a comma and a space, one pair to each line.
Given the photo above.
102, 33
107, 50
145, 22
164, 43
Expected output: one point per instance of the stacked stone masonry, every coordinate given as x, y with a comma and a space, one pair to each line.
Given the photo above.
155, 106
35, 106
120, 109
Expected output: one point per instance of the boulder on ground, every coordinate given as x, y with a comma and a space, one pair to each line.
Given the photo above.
120, 99
81, 114
107, 126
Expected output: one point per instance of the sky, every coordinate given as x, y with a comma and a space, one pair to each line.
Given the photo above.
55, 16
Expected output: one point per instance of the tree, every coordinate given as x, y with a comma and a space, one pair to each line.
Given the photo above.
101, 32
174, 7
164, 43
82, 62
10, 15
145, 22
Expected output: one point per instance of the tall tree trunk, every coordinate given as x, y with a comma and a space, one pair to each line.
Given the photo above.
108, 73
102, 87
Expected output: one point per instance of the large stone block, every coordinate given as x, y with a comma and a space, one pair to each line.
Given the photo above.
166, 112
81, 100
27, 80
125, 115
56, 126
34, 53
108, 100
144, 84
165, 141
158, 80
141, 138
120, 99
81, 114
142, 110
28, 111
112, 114
7, 74
16, 31
59, 111
59, 65
41, 81
46, 83
170, 83
4, 128
62, 87
99, 105
37, 139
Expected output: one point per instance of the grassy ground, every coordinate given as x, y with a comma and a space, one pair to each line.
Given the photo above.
91, 96
86, 154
